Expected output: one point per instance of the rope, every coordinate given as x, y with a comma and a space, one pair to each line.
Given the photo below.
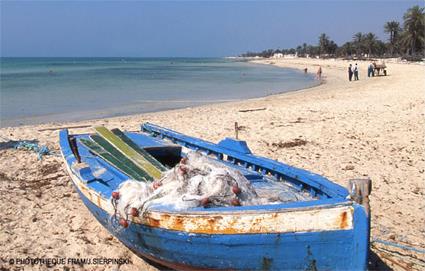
31, 146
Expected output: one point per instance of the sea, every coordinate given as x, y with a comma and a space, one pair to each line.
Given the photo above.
40, 90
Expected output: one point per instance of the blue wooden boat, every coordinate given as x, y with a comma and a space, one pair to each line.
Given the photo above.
329, 232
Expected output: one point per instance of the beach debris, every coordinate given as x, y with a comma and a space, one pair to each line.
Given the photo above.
63, 127
416, 190
348, 167
298, 120
252, 110
30, 145
290, 144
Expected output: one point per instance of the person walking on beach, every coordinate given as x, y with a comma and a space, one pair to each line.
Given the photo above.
319, 73
370, 70
356, 72
350, 72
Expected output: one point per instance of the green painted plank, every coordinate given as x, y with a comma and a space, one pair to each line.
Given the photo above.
122, 158
141, 151
112, 160
129, 152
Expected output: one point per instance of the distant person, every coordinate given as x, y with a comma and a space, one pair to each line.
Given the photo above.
356, 72
319, 73
370, 70
350, 72
305, 70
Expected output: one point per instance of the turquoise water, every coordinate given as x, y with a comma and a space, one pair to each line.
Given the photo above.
37, 90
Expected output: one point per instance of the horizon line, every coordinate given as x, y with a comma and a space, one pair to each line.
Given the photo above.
116, 56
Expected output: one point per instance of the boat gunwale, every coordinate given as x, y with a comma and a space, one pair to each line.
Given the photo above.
173, 220
238, 210
265, 208
308, 178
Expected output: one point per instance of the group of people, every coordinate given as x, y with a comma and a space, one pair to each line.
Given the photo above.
353, 71
318, 73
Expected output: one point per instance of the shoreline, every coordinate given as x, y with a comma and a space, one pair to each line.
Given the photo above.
373, 128
265, 80
46, 120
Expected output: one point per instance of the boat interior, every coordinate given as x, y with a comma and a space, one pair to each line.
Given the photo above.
268, 177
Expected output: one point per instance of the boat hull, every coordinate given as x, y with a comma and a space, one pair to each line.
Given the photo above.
324, 250
330, 234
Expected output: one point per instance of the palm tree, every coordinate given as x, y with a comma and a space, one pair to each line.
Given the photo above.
370, 42
358, 43
304, 48
298, 50
381, 48
393, 28
323, 43
414, 29
312, 50
346, 49
332, 47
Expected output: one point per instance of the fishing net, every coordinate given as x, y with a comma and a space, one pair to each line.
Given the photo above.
199, 181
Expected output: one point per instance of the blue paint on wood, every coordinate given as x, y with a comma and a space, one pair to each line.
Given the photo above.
84, 174
330, 250
326, 250
235, 145
292, 174
112, 178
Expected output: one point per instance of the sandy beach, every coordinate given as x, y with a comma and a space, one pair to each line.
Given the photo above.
374, 127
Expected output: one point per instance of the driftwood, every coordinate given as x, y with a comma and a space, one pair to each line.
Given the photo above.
63, 127
250, 110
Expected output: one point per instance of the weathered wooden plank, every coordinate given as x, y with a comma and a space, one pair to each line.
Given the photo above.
126, 168
141, 151
251, 110
129, 152
63, 127
122, 158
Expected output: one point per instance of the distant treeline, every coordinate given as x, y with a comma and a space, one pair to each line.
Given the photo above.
407, 41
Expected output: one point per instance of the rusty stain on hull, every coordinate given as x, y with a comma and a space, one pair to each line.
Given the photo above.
343, 220
338, 218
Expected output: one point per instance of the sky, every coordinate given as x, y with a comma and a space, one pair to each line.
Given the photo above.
183, 28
